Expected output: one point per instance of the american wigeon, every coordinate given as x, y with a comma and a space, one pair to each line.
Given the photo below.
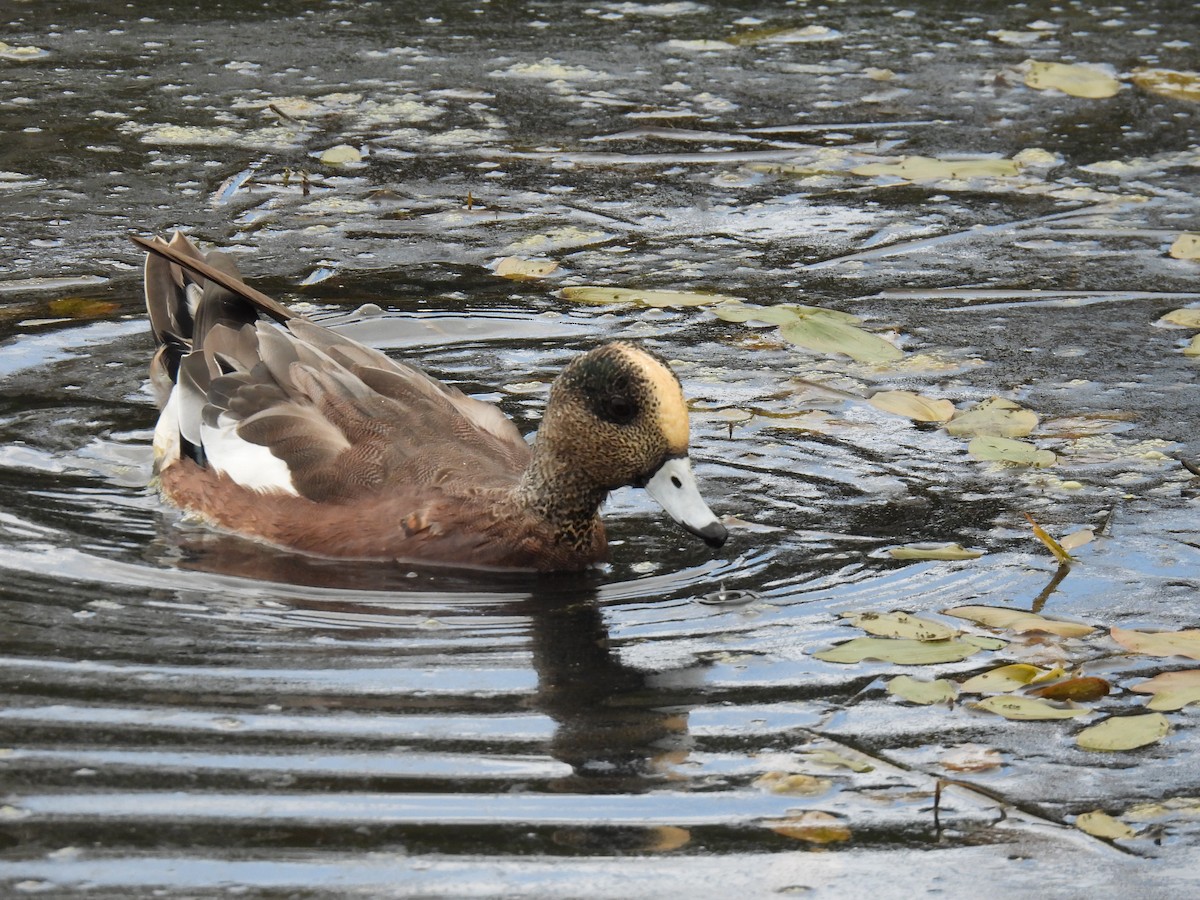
279, 429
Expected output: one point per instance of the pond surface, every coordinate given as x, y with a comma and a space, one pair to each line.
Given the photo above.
189, 714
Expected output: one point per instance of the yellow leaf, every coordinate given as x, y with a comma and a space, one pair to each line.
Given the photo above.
81, 307
793, 784
1051, 544
924, 693
1171, 690
1100, 824
898, 650
517, 267
995, 416
840, 760
823, 334
1079, 690
901, 625
1172, 808
1077, 539
1076, 80
1026, 708
913, 406
1125, 732
1018, 620
664, 838
1193, 349
341, 155
1020, 453
924, 168
814, 826
642, 298
1003, 680
1160, 643
934, 551
1188, 317
1169, 83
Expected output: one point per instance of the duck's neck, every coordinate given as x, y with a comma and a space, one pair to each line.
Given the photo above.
558, 492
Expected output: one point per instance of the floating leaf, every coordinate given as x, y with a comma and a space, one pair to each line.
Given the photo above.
82, 307
1003, 680
642, 298
1018, 620
901, 625
780, 314
1080, 690
1173, 807
901, 651
1171, 690
1051, 544
1186, 246
1026, 708
1077, 80
1100, 824
21, 54
998, 449
814, 826
1160, 643
518, 267
913, 406
1169, 83
1193, 349
985, 643
840, 760
972, 758
1125, 732
924, 168
804, 34
934, 551
341, 155
824, 334
924, 693
995, 416
1077, 539
1188, 317
793, 784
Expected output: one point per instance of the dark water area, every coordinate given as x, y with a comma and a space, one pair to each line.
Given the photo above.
188, 714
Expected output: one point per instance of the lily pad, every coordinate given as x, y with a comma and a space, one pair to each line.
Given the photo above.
1100, 824
341, 155
901, 651
1193, 349
924, 693
934, 551
972, 758
1125, 732
1169, 83
913, 406
82, 307
1077, 80
1160, 643
657, 299
995, 416
901, 625
1027, 708
1004, 679
1171, 690
998, 449
824, 334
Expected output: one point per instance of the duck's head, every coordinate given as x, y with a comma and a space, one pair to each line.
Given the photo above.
617, 416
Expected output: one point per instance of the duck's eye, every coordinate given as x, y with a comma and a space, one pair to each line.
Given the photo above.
618, 410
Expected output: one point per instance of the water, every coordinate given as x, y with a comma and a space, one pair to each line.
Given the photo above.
187, 714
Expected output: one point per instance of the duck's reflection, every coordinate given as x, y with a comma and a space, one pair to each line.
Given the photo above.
616, 730
612, 729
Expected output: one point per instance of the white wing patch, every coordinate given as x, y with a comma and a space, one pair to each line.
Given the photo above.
166, 432
252, 466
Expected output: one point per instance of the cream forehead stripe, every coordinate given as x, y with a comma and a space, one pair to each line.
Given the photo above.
671, 409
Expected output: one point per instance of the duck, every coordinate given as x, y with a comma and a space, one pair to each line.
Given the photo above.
281, 430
